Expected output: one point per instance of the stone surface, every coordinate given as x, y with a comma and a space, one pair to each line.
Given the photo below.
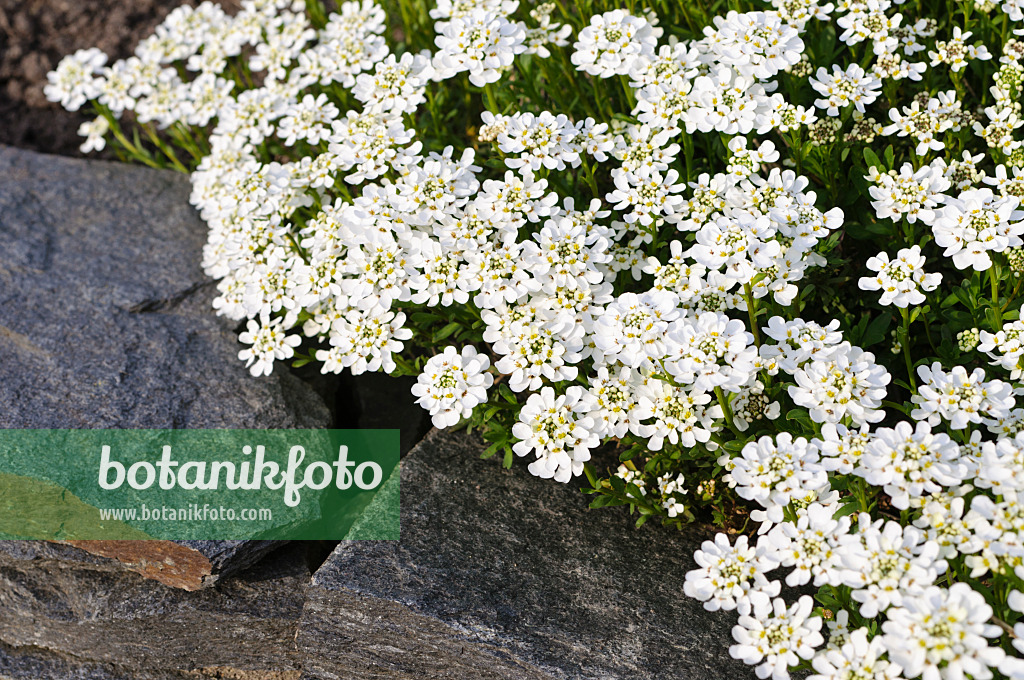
189, 565
383, 402
501, 575
69, 614
105, 321
105, 317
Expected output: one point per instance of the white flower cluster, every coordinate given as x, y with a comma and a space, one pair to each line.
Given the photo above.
669, 307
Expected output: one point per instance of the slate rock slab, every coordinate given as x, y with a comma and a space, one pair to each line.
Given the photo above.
105, 317
69, 614
105, 322
501, 575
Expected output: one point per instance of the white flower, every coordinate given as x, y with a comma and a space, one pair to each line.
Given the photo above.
480, 42
307, 120
546, 33
908, 462
901, 280
1001, 467
632, 328
644, 149
613, 401
800, 341
738, 244
960, 398
73, 82
848, 384
810, 546
364, 340
772, 473
925, 122
957, 52
867, 20
531, 350
711, 351
911, 193
756, 44
94, 131
943, 522
535, 141
396, 84
726, 101
349, 44
454, 9
452, 384
942, 633
976, 223
842, 87
683, 417
613, 42
728, 574
555, 430
776, 637
857, 658
269, 341
841, 447
885, 563
649, 196
752, 405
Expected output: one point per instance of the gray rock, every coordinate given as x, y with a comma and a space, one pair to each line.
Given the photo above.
68, 614
384, 402
105, 322
501, 575
105, 317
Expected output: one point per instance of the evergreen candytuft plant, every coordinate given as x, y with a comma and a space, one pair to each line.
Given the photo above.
770, 254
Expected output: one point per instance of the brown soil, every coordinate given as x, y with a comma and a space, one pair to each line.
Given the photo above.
35, 34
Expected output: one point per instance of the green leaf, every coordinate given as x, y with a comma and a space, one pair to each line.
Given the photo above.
994, 319
447, 330
490, 450
507, 394
876, 330
872, 159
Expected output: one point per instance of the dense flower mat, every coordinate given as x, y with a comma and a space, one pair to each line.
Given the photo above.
768, 254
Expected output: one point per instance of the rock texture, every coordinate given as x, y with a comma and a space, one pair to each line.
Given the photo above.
105, 317
105, 321
501, 575
383, 402
189, 565
69, 614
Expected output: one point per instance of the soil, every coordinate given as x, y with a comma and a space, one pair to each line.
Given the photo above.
35, 35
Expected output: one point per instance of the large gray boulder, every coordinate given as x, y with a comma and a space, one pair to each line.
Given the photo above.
105, 322
501, 575
105, 317
68, 614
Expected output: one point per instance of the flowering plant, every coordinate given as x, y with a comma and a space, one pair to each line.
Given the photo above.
770, 258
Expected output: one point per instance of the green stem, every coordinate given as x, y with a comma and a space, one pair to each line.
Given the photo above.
492, 102
905, 342
630, 99
993, 278
720, 395
135, 152
748, 294
166, 150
